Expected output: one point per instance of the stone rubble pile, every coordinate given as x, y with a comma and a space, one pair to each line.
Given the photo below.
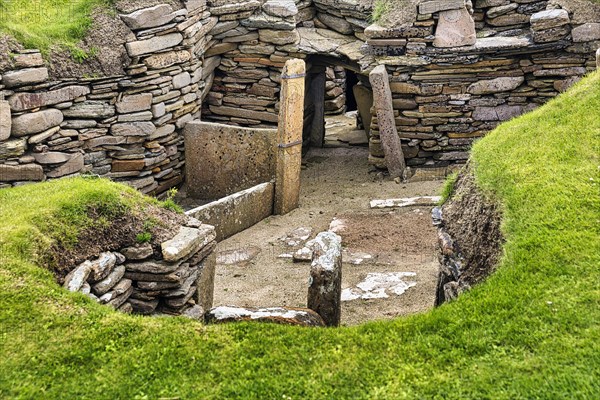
177, 279
335, 87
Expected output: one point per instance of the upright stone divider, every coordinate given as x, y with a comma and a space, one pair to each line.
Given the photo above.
289, 137
325, 288
390, 141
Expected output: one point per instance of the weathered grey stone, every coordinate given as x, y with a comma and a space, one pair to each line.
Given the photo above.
75, 280
74, 165
24, 77
278, 37
325, 290
139, 252
5, 120
27, 101
182, 80
390, 140
143, 307
133, 129
548, 19
102, 266
17, 173
40, 137
164, 60
433, 6
205, 284
278, 315
455, 28
30, 123
153, 267
90, 109
28, 60
134, 103
586, 32
154, 44
497, 85
12, 148
337, 24
104, 286
149, 17
280, 8
187, 242
500, 113
51, 157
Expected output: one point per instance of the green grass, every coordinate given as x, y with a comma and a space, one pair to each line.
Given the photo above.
40, 24
532, 331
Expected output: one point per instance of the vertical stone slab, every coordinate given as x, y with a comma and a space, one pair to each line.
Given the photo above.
325, 285
364, 101
205, 283
316, 98
390, 141
5, 121
455, 28
289, 137
598, 59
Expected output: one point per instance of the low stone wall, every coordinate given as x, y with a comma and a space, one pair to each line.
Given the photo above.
126, 127
239, 211
175, 279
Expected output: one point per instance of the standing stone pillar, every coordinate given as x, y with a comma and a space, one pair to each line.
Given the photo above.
289, 137
598, 59
390, 141
325, 285
5, 121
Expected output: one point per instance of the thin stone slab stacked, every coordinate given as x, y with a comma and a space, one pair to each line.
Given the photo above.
175, 279
255, 39
126, 128
447, 97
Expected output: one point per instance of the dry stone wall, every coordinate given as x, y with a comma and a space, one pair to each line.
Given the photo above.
222, 60
177, 279
126, 128
254, 39
448, 94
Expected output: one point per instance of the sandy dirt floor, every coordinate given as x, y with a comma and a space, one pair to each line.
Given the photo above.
389, 251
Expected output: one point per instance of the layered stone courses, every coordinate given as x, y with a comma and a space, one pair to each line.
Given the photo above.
223, 60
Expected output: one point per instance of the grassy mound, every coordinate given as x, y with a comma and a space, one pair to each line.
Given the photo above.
531, 331
40, 24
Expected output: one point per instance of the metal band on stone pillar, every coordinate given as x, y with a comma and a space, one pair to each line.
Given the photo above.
325, 285
289, 137
390, 141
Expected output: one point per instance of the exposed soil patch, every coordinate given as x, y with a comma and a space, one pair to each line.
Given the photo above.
104, 42
120, 232
473, 221
409, 231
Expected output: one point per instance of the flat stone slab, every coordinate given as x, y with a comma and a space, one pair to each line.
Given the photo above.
78, 277
278, 315
238, 256
186, 242
380, 286
423, 201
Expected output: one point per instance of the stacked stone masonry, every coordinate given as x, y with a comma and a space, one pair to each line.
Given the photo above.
222, 60
177, 279
126, 128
